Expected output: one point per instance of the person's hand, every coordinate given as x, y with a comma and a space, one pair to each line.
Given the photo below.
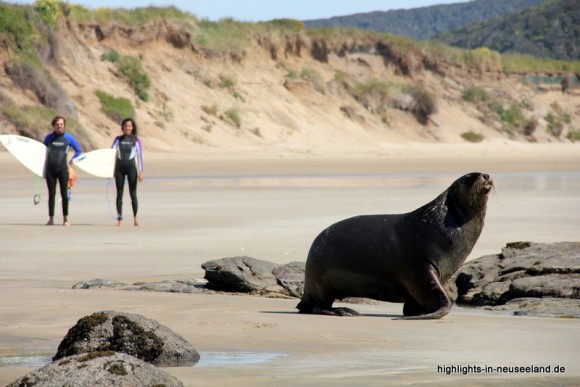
141, 176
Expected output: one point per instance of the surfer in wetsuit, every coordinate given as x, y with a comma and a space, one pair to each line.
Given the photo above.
129, 163
56, 167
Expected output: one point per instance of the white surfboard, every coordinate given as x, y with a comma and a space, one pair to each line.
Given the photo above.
30, 153
100, 162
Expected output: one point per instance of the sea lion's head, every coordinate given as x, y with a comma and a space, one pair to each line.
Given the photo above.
472, 191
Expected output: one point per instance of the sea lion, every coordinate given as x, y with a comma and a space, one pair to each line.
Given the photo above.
398, 258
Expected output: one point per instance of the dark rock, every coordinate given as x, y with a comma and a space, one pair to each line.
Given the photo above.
193, 285
239, 274
99, 283
132, 334
542, 307
545, 271
106, 368
291, 278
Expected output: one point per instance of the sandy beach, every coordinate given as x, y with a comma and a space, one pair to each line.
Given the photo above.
269, 206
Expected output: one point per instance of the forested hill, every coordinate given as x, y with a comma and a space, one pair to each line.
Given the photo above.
427, 22
550, 30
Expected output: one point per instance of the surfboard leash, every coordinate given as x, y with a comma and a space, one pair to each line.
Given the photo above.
37, 187
109, 184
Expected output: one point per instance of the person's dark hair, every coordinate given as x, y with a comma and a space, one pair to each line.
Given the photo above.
131, 121
56, 118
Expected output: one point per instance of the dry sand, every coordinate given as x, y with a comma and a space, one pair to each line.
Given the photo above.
271, 206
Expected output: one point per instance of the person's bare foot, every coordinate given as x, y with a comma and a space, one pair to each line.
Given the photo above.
119, 222
137, 223
50, 222
65, 222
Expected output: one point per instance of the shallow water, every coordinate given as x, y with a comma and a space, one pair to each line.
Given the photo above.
208, 359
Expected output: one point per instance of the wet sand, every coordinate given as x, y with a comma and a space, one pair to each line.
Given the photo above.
271, 208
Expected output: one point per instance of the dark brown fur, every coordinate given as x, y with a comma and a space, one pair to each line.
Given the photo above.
398, 258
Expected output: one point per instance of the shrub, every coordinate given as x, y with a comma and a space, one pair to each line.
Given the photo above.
16, 27
115, 108
111, 56
573, 135
223, 37
227, 82
313, 77
555, 124
29, 76
424, 104
49, 11
211, 110
130, 68
234, 116
29, 121
513, 116
530, 126
289, 24
475, 94
292, 75
472, 136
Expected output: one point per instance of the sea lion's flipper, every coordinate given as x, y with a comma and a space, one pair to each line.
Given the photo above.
429, 300
341, 312
304, 307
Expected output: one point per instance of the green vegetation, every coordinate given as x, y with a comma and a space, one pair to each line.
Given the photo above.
512, 116
115, 108
573, 135
555, 124
528, 63
18, 29
380, 88
425, 22
133, 16
30, 121
475, 94
224, 37
234, 116
548, 30
49, 11
287, 24
472, 136
227, 82
557, 119
130, 68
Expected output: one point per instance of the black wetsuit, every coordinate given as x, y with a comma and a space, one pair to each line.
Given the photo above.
56, 168
128, 155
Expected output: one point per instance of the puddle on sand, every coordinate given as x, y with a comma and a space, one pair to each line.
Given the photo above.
219, 359
25, 361
208, 359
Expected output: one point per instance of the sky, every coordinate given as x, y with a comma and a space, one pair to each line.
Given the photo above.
263, 10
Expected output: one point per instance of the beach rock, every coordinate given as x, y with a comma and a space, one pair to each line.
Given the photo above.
250, 275
132, 334
291, 278
99, 283
239, 274
98, 369
192, 285
546, 272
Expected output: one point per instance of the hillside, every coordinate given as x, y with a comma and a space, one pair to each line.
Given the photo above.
223, 87
426, 22
549, 30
